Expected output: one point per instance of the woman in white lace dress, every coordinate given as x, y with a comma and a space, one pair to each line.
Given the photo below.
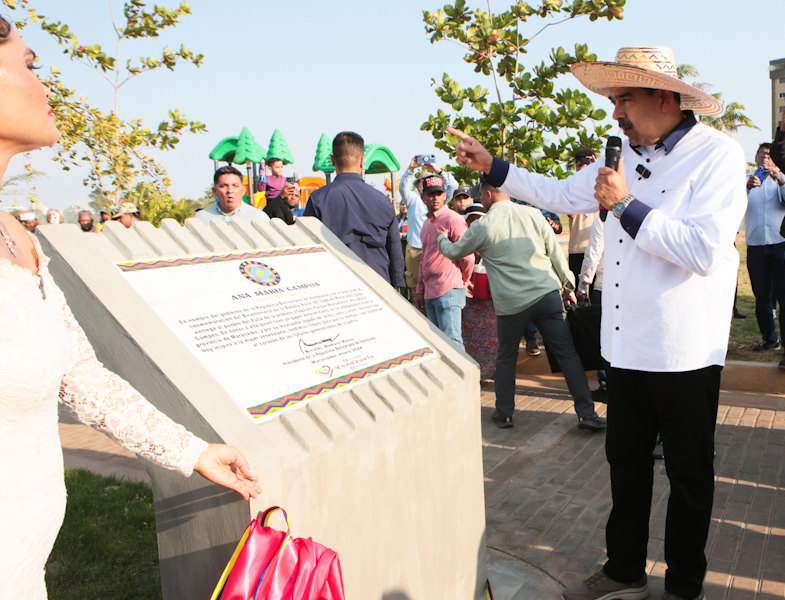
44, 356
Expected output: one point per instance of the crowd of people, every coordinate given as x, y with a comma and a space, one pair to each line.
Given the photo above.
127, 214
675, 216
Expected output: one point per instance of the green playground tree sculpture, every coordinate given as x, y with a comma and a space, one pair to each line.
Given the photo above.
247, 149
324, 150
279, 149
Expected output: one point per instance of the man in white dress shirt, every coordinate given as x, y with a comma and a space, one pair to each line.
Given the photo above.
766, 247
670, 274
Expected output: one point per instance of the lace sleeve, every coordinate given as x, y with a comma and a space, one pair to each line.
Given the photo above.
108, 403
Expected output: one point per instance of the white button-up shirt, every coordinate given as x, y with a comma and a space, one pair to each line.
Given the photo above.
593, 259
668, 293
765, 212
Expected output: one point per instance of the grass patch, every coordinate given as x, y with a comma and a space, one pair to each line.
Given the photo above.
107, 547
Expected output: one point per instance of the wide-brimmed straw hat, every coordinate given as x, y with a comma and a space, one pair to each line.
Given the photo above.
645, 67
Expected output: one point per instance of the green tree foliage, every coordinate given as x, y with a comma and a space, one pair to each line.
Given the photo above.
10, 186
98, 200
183, 209
279, 148
732, 118
154, 204
527, 121
115, 150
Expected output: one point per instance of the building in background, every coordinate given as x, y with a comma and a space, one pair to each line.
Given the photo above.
777, 75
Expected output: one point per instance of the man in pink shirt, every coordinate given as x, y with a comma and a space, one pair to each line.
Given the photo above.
441, 284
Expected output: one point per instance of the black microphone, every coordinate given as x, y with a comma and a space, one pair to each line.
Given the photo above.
613, 152
612, 156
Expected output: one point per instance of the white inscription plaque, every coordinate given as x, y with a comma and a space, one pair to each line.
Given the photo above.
277, 328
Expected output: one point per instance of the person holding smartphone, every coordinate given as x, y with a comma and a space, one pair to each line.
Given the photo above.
766, 246
416, 210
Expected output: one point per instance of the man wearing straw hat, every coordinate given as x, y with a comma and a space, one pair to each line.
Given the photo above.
670, 272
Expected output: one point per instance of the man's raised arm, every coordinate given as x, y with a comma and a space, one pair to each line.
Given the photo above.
568, 196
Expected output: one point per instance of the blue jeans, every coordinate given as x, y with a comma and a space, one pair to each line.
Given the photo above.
445, 313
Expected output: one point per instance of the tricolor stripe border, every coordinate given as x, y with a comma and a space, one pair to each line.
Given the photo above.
215, 258
273, 406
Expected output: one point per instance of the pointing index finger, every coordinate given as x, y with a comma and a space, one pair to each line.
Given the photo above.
459, 134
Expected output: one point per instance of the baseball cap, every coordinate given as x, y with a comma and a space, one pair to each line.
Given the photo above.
464, 190
126, 208
433, 184
474, 209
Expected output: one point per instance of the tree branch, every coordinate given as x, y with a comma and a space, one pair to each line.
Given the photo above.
111, 15
548, 25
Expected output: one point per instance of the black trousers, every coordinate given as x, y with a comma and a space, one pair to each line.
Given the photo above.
575, 262
682, 406
549, 317
766, 266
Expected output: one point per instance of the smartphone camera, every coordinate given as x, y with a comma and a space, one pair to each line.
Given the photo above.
586, 160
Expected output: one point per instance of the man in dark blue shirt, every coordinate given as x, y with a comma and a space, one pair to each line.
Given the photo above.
363, 218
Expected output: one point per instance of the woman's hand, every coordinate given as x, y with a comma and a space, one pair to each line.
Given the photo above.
225, 466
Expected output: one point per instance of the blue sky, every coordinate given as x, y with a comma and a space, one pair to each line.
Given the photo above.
308, 68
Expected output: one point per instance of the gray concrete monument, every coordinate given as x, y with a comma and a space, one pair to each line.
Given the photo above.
385, 468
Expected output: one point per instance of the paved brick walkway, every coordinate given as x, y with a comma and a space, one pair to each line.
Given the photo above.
548, 497
547, 492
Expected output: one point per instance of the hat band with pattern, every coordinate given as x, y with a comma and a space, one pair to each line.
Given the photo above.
651, 67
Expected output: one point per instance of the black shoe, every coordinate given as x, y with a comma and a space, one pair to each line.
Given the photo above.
593, 422
501, 422
766, 346
737, 314
600, 394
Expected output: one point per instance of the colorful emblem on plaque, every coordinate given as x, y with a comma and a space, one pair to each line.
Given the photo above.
259, 273
325, 371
